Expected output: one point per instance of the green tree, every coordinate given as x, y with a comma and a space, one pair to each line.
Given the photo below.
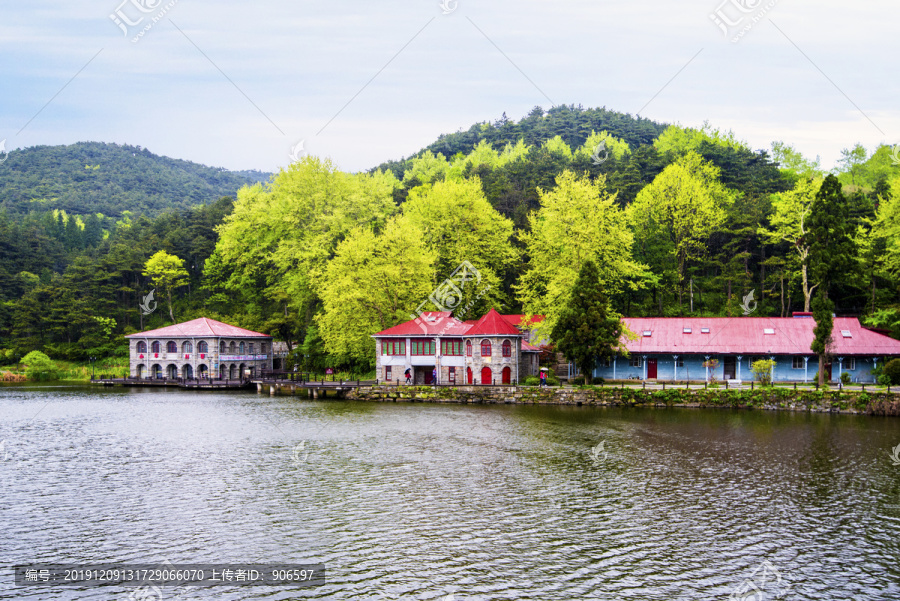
457, 223
587, 330
167, 272
790, 224
374, 282
578, 221
822, 310
678, 212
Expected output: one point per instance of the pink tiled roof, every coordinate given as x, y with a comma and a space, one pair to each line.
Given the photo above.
202, 326
493, 324
746, 335
527, 348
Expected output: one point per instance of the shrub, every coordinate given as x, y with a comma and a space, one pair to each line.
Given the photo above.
892, 370
884, 379
532, 381
598, 381
38, 366
762, 371
845, 378
578, 380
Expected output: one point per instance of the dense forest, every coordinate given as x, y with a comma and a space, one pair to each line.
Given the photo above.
677, 221
91, 177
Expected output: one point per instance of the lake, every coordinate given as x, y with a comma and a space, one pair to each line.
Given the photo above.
449, 502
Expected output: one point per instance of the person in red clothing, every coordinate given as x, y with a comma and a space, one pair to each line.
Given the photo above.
543, 378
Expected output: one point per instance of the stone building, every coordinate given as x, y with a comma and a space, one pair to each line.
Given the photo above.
489, 351
200, 348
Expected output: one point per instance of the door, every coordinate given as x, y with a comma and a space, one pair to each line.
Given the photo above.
469, 375
428, 378
486, 375
507, 372
451, 375
651, 369
729, 367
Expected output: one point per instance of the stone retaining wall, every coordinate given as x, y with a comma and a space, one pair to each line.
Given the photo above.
878, 403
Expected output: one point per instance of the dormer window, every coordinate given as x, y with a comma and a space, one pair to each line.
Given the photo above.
704, 330
768, 331
686, 330
648, 333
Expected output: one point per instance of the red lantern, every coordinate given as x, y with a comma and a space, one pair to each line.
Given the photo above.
156, 355
141, 356
187, 356
202, 356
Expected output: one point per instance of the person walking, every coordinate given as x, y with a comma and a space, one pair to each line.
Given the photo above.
543, 378
408, 375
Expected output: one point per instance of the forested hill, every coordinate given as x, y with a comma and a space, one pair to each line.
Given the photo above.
573, 124
95, 177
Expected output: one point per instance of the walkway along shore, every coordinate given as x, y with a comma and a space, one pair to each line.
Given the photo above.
877, 402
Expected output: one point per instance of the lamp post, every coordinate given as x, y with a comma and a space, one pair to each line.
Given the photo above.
92, 366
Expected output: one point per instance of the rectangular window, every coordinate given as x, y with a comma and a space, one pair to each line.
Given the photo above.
679, 362
451, 347
424, 346
851, 364
635, 362
393, 347
387, 373
686, 330
605, 362
797, 363
704, 330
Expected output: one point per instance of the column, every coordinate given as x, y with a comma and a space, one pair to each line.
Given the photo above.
707, 367
805, 369
772, 359
840, 367
614, 367
645, 366
739, 357
437, 359
675, 357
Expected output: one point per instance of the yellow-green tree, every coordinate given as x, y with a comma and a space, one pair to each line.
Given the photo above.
678, 212
789, 224
458, 224
373, 283
578, 221
280, 237
167, 273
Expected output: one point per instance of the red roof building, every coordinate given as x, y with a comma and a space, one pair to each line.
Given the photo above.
198, 349
438, 346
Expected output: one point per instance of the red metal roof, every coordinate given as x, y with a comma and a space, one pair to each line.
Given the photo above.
493, 324
747, 336
202, 326
519, 320
429, 323
442, 323
527, 348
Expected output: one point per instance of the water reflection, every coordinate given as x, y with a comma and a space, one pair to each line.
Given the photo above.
422, 501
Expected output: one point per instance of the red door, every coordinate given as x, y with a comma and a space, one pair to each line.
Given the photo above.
651, 369
506, 374
486, 375
427, 378
469, 374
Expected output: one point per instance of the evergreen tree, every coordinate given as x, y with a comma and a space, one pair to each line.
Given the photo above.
587, 330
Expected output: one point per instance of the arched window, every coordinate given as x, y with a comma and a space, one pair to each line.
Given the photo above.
154, 346
242, 348
507, 348
485, 348
231, 348
202, 347
187, 347
171, 347
142, 347
468, 348
222, 347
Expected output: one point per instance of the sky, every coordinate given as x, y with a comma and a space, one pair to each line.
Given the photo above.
245, 85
